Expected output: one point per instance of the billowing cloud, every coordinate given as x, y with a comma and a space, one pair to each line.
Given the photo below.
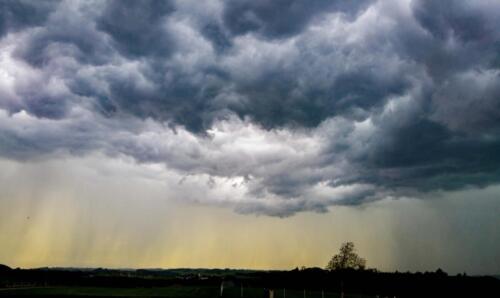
17, 15
272, 19
277, 107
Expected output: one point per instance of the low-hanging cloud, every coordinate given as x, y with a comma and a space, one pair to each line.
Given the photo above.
346, 104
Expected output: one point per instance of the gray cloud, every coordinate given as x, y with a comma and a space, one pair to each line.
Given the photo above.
345, 104
137, 28
273, 18
17, 15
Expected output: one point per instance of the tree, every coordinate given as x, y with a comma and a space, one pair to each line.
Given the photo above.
347, 258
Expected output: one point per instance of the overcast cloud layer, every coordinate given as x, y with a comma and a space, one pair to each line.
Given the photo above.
270, 107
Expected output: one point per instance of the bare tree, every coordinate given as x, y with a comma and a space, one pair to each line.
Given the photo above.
346, 258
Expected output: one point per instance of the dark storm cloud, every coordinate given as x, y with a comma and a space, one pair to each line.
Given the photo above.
279, 100
66, 34
449, 136
16, 15
461, 19
276, 94
137, 27
281, 18
455, 36
218, 36
425, 155
392, 97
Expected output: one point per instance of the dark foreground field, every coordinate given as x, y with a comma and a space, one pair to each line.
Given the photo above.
308, 282
172, 291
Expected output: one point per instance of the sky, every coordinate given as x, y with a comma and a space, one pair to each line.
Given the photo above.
250, 134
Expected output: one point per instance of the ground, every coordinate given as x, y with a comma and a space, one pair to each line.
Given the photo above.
173, 291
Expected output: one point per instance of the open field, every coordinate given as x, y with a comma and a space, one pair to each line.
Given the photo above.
50, 282
173, 291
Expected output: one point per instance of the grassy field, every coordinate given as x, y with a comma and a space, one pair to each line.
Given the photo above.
173, 291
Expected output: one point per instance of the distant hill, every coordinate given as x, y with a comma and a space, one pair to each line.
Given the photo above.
4, 268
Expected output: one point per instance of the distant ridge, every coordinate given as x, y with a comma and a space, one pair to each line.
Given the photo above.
4, 268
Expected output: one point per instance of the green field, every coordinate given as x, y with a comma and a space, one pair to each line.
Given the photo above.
173, 291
